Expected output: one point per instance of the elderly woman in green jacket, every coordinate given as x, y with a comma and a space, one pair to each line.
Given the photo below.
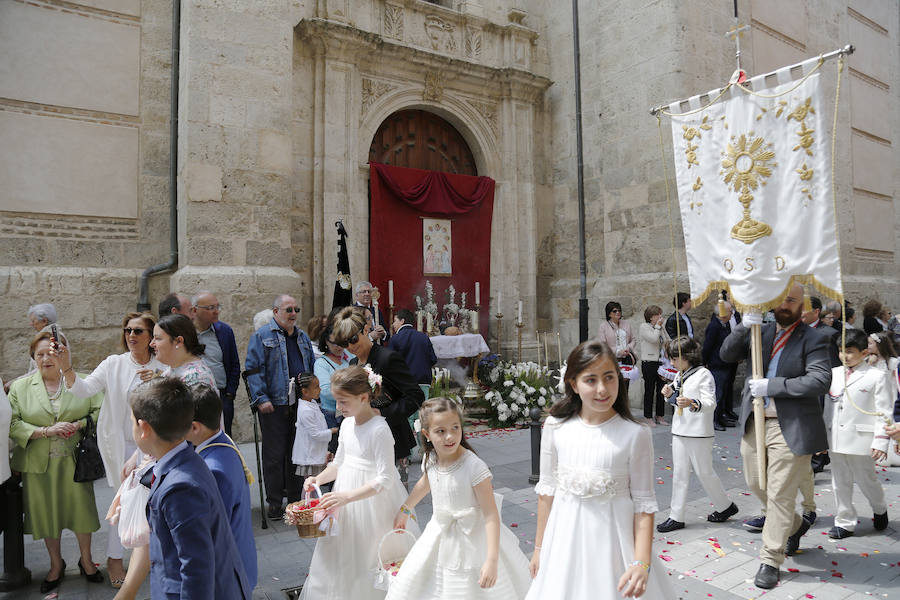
47, 423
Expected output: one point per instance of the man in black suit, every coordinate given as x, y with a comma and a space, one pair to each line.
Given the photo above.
723, 372
414, 346
797, 370
813, 318
679, 323
378, 335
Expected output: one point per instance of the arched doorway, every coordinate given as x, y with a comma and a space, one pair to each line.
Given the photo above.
421, 140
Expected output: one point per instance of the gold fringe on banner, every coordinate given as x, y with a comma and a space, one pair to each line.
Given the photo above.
715, 286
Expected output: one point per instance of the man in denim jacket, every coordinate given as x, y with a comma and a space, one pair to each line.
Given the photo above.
277, 352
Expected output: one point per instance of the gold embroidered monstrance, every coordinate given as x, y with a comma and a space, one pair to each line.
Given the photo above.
745, 165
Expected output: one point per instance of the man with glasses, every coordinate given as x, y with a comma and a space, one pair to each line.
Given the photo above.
378, 335
221, 353
278, 351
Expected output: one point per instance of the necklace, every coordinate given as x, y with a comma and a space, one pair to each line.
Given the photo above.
136, 363
60, 388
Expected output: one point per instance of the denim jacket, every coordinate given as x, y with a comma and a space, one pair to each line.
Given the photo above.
268, 353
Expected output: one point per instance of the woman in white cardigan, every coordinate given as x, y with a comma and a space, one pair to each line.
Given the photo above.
653, 340
117, 375
694, 393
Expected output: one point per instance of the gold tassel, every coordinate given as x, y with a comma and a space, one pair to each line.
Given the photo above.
723, 310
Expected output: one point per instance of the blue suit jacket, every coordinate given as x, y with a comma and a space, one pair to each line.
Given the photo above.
230, 358
192, 550
225, 465
416, 349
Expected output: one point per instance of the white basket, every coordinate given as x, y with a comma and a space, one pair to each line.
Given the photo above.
388, 566
629, 372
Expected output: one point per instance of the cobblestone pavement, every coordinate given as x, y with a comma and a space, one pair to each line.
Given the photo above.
864, 566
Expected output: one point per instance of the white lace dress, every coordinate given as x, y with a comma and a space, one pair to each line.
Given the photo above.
343, 566
446, 561
600, 476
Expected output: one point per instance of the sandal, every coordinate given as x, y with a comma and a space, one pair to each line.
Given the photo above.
116, 583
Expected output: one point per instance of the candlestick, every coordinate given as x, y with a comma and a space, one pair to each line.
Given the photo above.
499, 316
520, 312
477, 293
391, 292
559, 349
537, 336
546, 354
519, 326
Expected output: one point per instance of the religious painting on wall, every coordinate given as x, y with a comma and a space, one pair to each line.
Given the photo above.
436, 247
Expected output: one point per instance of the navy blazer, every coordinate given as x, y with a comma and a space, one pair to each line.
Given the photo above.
230, 358
192, 549
226, 466
803, 374
715, 334
416, 349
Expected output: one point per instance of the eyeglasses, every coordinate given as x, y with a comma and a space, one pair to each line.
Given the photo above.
290, 309
616, 310
365, 291
209, 307
133, 330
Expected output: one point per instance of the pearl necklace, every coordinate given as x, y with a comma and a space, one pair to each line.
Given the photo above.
136, 363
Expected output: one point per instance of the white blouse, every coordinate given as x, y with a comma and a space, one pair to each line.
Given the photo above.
370, 447
312, 436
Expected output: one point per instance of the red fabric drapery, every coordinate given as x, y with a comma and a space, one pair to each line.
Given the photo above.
433, 192
400, 197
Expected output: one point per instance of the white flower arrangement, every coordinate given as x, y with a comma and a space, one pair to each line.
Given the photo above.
374, 378
516, 388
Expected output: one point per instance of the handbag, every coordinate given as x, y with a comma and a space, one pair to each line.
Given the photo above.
88, 463
134, 530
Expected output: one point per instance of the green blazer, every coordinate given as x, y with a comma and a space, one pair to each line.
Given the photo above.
31, 410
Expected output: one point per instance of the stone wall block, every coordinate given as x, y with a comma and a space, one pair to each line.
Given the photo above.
24, 251
254, 188
4, 279
207, 251
265, 253
274, 151
204, 182
154, 153
86, 253
227, 110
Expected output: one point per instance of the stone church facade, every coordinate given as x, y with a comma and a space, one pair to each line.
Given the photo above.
279, 103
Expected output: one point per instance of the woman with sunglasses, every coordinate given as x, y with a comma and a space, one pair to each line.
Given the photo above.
401, 395
333, 359
117, 375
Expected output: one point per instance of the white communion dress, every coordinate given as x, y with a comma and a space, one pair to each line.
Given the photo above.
446, 561
600, 476
343, 566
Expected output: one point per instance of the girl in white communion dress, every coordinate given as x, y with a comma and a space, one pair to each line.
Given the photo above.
595, 495
465, 552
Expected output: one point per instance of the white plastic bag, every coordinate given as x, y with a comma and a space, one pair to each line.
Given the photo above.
134, 531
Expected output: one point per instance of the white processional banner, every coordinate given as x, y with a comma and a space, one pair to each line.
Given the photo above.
754, 186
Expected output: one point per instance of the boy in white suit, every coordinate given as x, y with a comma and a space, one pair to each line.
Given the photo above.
857, 439
694, 392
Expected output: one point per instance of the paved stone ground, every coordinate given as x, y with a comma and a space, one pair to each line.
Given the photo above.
864, 566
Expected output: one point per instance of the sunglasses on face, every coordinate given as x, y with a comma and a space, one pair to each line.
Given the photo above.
290, 309
134, 330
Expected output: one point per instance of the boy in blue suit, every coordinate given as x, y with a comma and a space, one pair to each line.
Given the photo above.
227, 466
192, 549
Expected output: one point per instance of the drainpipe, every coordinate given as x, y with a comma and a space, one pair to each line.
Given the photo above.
144, 300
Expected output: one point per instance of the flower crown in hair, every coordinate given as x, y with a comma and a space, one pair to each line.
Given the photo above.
374, 378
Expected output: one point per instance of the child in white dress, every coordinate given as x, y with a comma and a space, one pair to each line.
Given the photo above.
693, 393
310, 451
465, 552
595, 496
367, 490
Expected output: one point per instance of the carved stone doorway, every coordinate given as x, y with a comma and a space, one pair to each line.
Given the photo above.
421, 140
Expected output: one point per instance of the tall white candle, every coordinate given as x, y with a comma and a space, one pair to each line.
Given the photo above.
520, 312
391, 292
429, 322
499, 300
477, 293
418, 320
474, 320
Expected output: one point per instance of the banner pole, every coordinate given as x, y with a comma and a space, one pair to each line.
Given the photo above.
759, 414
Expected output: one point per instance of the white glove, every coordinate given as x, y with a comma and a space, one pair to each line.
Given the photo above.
751, 319
759, 387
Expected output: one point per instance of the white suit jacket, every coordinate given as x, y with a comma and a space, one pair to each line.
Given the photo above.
699, 386
851, 431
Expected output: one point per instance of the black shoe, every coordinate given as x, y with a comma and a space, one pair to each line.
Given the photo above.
95, 577
881, 521
718, 425
839, 533
755, 524
793, 542
732, 415
47, 585
721, 517
274, 512
810, 517
766, 577
730, 423
669, 525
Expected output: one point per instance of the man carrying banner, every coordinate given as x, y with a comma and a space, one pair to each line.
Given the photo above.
797, 371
